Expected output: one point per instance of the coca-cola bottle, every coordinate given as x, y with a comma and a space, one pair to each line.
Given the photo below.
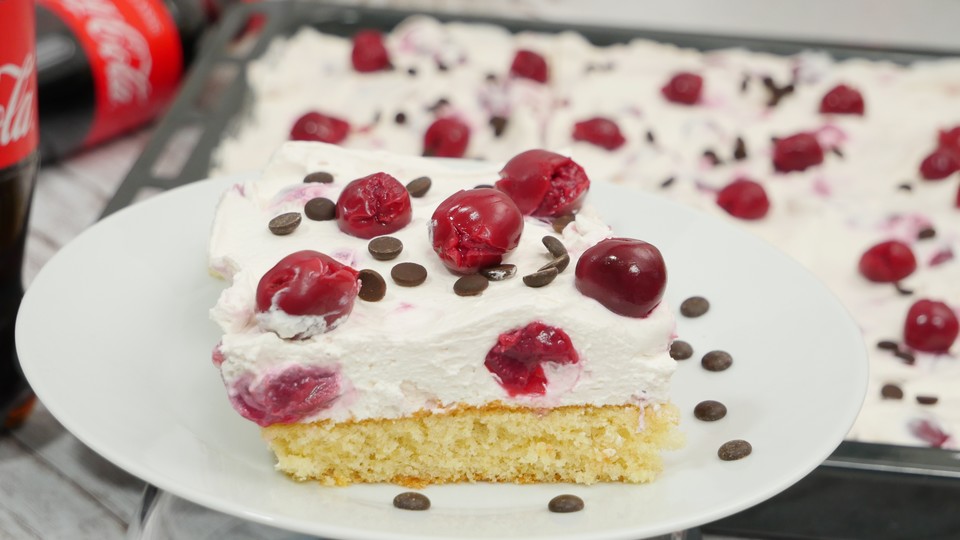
18, 170
107, 66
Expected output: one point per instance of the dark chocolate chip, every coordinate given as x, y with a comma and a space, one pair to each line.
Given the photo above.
563, 504
926, 232
285, 223
668, 182
906, 357
680, 350
888, 345
716, 361
442, 102
776, 93
905, 187
408, 274
902, 290
560, 223
734, 450
499, 125
554, 245
740, 150
499, 272
483, 186
385, 248
927, 400
418, 187
709, 410
891, 391
541, 278
837, 152
318, 177
744, 84
694, 306
400, 118
372, 286
560, 263
412, 72
491, 77
441, 66
411, 501
712, 157
320, 209
472, 285
651, 138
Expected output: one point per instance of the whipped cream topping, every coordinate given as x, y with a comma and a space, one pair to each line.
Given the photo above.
420, 348
825, 217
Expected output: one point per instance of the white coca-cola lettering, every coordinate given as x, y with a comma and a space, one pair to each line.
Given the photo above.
16, 111
124, 50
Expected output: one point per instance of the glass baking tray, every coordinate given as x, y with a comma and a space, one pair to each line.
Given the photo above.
863, 490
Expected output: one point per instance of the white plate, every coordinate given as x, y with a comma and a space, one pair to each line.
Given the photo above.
114, 337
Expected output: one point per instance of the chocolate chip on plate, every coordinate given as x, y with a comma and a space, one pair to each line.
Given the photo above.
284, 223
372, 286
560, 222
410, 500
541, 278
926, 232
927, 400
418, 187
734, 450
740, 150
891, 391
320, 209
499, 272
385, 248
564, 504
694, 306
710, 410
888, 345
560, 263
499, 125
471, 285
716, 361
408, 274
554, 246
680, 350
320, 177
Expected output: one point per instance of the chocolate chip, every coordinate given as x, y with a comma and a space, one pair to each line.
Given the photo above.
499, 124
891, 391
472, 285
927, 400
442, 102
285, 223
651, 138
483, 186
680, 350
837, 152
777, 93
491, 77
744, 84
318, 177
905, 187
901, 289
499, 272
400, 118
418, 187
694, 306
716, 361
734, 450
740, 150
320, 209
372, 286
563, 504
408, 274
888, 345
411, 501
926, 232
712, 157
554, 245
906, 357
668, 182
560, 263
540, 278
441, 66
385, 248
560, 223
412, 72
710, 411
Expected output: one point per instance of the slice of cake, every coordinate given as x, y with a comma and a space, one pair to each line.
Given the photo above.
399, 319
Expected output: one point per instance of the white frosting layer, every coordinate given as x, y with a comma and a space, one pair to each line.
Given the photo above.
422, 347
825, 217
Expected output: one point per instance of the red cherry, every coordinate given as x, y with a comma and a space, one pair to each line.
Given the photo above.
842, 99
518, 357
930, 327
683, 88
744, 199
543, 183
314, 126
309, 283
529, 65
797, 153
373, 206
940, 164
446, 137
950, 139
474, 229
627, 276
601, 132
285, 397
369, 53
888, 262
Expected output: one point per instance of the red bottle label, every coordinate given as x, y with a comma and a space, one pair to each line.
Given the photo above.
134, 52
18, 82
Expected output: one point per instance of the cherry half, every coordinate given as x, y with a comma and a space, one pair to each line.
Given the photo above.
544, 184
285, 397
683, 88
474, 229
518, 357
842, 99
744, 199
446, 137
888, 262
373, 206
930, 327
601, 132
627, 276
369, 53
314, 126
797, 153
529, 65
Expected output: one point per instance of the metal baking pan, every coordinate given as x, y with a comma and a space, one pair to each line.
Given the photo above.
863, 490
